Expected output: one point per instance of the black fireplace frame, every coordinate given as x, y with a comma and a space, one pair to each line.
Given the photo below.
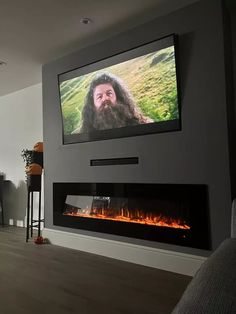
195, 195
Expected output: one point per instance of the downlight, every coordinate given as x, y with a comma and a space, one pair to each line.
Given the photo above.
85, 21
2, 63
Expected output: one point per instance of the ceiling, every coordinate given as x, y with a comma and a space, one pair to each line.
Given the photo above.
34, 32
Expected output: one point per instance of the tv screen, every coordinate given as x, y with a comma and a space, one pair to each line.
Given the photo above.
128, 94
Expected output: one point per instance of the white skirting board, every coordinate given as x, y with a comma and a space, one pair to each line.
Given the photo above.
177, 262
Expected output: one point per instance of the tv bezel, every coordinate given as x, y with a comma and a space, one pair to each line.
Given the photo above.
128, 131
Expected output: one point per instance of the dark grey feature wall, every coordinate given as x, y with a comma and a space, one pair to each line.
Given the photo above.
197, 154
230, 33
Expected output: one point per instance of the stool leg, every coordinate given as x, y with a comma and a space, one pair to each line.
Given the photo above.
27, 216
2, 213
1, 199
39, 224
32, 214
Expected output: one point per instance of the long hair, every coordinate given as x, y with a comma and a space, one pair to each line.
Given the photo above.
123, 96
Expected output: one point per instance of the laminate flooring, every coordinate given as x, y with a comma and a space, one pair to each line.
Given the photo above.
48, 279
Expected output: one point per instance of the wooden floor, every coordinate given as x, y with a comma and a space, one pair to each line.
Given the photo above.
50, 279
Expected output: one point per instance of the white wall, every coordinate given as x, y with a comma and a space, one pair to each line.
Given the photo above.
20, 128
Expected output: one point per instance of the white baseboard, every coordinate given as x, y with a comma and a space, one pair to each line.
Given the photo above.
177, 262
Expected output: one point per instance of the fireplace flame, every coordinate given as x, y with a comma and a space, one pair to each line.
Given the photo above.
126, 215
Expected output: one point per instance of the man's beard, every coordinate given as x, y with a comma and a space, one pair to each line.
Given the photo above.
114, 116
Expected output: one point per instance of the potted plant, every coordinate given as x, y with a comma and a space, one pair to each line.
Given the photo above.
33, 180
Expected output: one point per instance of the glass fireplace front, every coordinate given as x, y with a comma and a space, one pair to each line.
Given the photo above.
175, 214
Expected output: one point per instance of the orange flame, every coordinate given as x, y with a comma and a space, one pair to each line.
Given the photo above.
125, 216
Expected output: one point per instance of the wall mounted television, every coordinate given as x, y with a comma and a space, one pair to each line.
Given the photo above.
128, 94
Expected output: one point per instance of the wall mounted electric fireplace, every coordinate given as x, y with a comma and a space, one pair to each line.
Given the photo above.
170, 213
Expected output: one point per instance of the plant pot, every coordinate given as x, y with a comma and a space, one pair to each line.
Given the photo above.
37, 158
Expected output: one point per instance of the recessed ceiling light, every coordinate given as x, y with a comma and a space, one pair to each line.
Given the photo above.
85, 20
2, 63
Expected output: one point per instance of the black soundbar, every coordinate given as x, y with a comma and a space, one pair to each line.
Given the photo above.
114, 161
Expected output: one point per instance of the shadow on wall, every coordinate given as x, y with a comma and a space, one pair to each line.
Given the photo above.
15, 203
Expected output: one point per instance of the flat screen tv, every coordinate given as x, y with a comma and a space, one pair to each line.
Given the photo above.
128, 94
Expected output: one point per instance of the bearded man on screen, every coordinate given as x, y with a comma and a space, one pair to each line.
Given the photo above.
109, 105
